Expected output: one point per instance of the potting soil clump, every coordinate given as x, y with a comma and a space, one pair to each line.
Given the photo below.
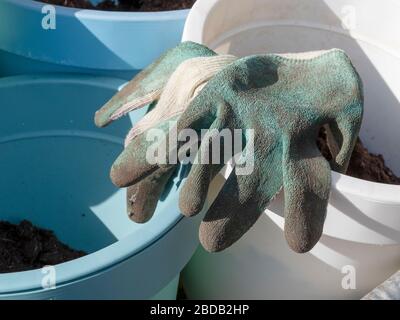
363, 164
25, 247
125, 5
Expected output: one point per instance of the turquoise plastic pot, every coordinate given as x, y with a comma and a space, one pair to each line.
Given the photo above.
115, 44
54, 168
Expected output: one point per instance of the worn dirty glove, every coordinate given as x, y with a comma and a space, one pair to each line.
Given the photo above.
284, 100
169, 84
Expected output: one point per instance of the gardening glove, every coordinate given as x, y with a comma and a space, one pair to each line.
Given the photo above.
148, 85
280, 103
169, 85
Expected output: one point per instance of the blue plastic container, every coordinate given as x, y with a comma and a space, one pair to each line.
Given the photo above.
54, 166
115, 44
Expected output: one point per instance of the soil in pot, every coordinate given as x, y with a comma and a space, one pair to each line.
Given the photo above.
125, 5
24, 247
363, 164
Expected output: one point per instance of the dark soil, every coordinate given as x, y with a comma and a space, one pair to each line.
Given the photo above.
363, 164
25, 247
125, 5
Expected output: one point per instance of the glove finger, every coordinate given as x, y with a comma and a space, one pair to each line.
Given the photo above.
147, 151
241, 201
306, 181
142, 197
138, 160
209, 160
194, 191
345, 130
133, 164
148, 84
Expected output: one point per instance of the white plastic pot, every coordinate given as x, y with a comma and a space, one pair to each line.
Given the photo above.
360, 246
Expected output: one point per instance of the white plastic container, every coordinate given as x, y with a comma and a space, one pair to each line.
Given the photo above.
360, 246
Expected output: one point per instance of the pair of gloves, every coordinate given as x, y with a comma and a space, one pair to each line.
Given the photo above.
278, 101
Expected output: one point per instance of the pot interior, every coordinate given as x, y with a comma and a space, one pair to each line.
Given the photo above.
244, 28
55, 163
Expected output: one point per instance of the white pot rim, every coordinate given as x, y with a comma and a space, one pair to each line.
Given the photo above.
372, 191
195, 19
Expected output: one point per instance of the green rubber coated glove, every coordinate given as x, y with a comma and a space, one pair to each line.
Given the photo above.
280, 102
169, 84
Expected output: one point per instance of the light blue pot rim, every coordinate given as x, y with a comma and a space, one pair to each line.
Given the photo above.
111, 255
103, 14
29, 40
